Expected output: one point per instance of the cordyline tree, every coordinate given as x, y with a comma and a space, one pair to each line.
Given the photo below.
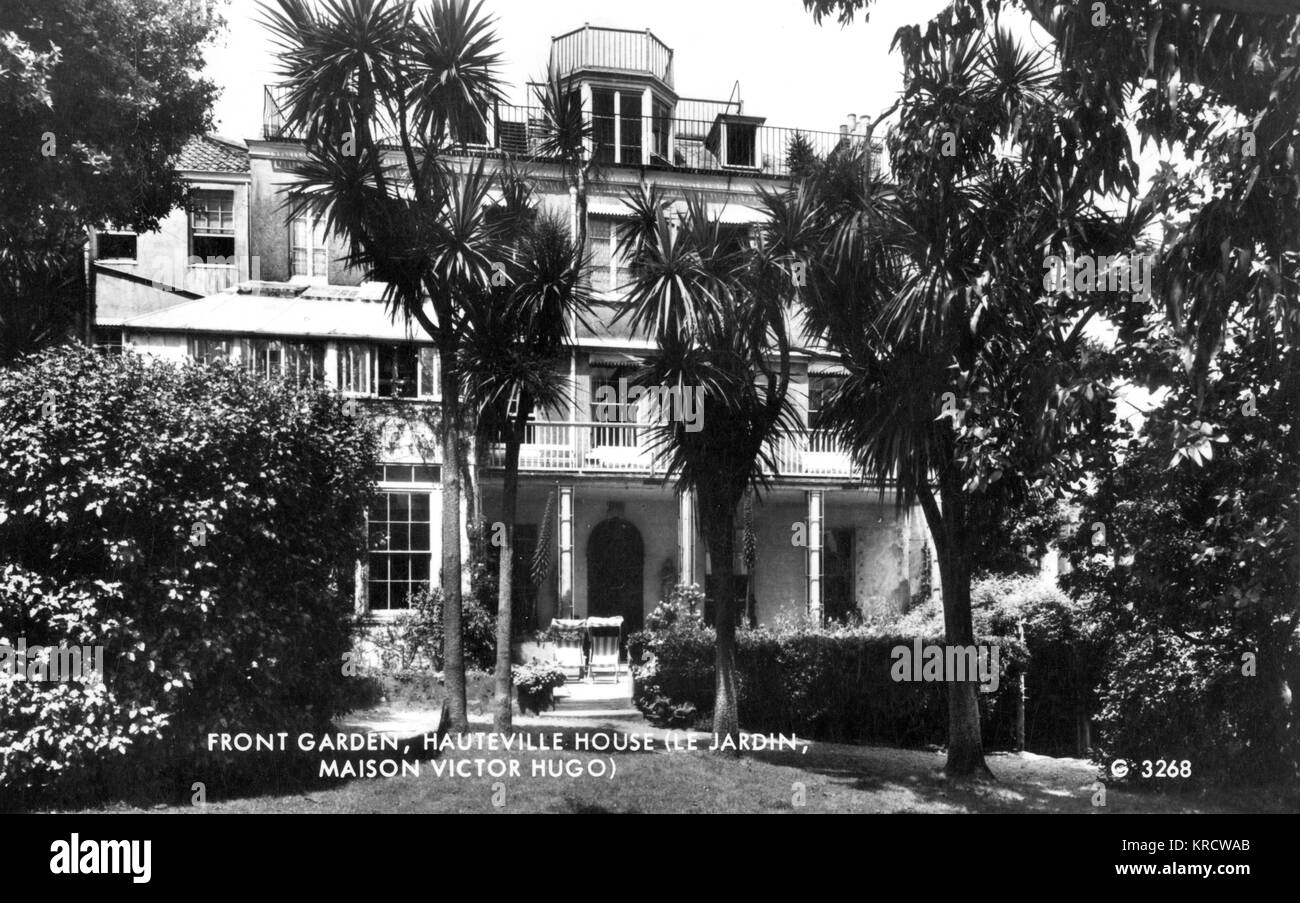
965, 377
716, 309
517, 333
382, 92
1217, 80
96, 102
567, 135
1217, 77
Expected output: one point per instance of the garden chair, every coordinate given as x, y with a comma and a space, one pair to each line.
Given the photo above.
569, 646
606, 644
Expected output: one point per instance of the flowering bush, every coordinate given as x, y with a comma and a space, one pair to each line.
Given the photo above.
536, 682
537, 677
684, 605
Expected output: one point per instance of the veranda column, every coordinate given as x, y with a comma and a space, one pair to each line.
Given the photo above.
686, 537
816, 501
565, 534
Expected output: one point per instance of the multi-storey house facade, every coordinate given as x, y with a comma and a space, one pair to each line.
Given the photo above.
617, 533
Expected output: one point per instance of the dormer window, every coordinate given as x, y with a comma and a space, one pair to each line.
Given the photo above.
734, 140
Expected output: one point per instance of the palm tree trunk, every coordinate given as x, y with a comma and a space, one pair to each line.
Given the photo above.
580, 200
719, 522
453, 651
965, 741
502, 718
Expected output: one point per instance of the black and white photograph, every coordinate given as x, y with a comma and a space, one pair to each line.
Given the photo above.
645, 407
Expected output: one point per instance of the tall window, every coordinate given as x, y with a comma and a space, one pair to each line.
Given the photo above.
629, 139
304, 362
355, 369
208, 350
608, 406
308, 249
820, 390
610, 270
398, 371
400, 555
602, 125
212, 226
660, 128
430, 385
298, 362
627, 149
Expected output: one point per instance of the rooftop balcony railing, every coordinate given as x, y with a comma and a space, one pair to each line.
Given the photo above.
614, 50
728, 142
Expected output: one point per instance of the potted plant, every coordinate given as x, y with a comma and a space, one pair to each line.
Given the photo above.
535, 684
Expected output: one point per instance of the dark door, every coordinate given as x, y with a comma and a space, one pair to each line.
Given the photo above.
615, 573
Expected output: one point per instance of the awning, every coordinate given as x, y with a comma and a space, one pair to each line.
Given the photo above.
616, 359
609, 207
736, 214
827, 370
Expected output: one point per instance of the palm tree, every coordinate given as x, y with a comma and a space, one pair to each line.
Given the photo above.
566, 136
517, 332
716, 310
381, 92
964, 374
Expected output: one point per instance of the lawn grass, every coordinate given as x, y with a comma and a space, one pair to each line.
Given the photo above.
819, 777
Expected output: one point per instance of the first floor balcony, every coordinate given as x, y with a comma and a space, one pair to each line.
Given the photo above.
591, 447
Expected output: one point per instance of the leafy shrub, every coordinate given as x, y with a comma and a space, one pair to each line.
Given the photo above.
51, 729
414, 637
418, 689
198, 522
1168, 697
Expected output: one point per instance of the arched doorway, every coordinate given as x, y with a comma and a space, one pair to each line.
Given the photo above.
615, 573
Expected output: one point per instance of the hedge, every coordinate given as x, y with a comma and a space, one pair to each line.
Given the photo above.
831, 685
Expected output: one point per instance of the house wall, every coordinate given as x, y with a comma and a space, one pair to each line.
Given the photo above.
163, 257
781, 574
271, 226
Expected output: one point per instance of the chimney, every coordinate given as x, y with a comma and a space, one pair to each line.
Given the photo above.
853, 124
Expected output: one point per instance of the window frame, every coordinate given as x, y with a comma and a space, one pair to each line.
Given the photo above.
408, 554
207, 232
619, 266
317, 239
287, 350
100, 257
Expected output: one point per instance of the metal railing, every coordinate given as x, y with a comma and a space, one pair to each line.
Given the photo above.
721, 144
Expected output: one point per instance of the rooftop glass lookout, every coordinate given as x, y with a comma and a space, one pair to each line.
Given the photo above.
626, 85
